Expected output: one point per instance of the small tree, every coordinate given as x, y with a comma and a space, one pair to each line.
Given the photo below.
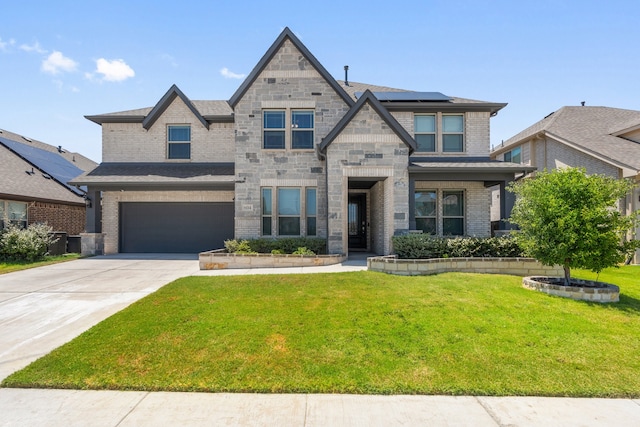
569, 218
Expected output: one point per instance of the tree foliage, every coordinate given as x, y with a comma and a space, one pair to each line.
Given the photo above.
569, 218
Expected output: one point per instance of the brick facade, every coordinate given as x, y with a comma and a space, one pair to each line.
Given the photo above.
67, 218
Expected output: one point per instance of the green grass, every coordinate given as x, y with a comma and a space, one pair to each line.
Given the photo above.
10, 266
358, 332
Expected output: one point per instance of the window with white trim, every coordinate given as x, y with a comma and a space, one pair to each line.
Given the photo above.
178, 142
13, 213
302, 129
273, 129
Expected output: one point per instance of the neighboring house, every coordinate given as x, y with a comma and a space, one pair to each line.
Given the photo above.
293, 152
33, 184
603, 140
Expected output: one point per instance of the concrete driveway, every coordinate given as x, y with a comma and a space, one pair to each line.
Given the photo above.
43, 308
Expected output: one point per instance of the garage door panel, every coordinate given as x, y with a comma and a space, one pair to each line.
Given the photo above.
174, 227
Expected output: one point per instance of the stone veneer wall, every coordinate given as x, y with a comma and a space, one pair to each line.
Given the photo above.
424, 267
111, 207
288, 82
220, 260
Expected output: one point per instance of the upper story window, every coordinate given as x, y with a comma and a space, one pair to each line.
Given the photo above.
425, 132
439, 133
514, 155
179, 142
275, 124
302, 129
452, 133
274, 129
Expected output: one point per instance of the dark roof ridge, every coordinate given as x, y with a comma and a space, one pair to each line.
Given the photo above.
173, 93
369, 97
288, 34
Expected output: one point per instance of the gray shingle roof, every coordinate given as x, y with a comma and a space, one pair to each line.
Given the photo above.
21, 179
467, 164
158, 173
590, 128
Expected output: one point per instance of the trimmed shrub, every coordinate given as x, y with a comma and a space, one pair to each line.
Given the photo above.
28, 244
303, 251
277, 246
421, 246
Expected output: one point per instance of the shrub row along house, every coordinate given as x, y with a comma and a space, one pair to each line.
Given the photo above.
33, 184
294, 152
603, 140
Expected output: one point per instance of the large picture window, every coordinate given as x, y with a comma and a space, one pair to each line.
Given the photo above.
179, 142
440, 212
425, 132
288, 211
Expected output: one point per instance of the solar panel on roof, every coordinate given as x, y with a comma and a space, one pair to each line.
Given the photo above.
51, 163
409, 96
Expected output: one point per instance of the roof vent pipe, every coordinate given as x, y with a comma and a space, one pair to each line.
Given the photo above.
346, 75
582, 103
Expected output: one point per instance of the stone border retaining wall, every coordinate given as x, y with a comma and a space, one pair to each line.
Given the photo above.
422, 267
607, 293
220, 259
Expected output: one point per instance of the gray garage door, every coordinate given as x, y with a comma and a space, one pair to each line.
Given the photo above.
174, 227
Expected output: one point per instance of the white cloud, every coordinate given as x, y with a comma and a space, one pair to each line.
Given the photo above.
33, 48
57, 62
225, 72
5, 45
115, 70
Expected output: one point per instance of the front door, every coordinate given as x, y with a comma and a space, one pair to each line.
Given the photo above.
357, 221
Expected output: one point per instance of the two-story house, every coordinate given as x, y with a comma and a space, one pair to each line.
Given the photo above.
294, 152
603, 140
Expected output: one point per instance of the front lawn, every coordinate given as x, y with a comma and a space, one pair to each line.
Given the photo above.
9, 266
358, 332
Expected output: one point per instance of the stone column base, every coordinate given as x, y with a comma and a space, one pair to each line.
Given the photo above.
92, 244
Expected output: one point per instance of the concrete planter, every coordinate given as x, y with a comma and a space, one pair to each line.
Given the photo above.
584, 290
220, 259
422, 267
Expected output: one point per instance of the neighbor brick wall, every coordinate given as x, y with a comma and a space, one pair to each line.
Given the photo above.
67, 218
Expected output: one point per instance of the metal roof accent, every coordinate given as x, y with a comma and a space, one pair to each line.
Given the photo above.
369, 97
266, 58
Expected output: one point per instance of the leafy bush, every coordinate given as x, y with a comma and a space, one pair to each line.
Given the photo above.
241, 247
29, 244
277, 246
421, 246
303, 251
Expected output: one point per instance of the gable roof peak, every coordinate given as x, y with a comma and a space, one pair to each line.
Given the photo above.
268, 56
173, 93
368, 98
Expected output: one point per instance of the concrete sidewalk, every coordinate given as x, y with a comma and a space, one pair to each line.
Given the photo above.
42, 308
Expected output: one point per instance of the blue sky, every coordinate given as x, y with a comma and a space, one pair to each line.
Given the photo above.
62, 60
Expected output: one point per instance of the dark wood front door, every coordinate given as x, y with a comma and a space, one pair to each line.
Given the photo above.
357, 221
